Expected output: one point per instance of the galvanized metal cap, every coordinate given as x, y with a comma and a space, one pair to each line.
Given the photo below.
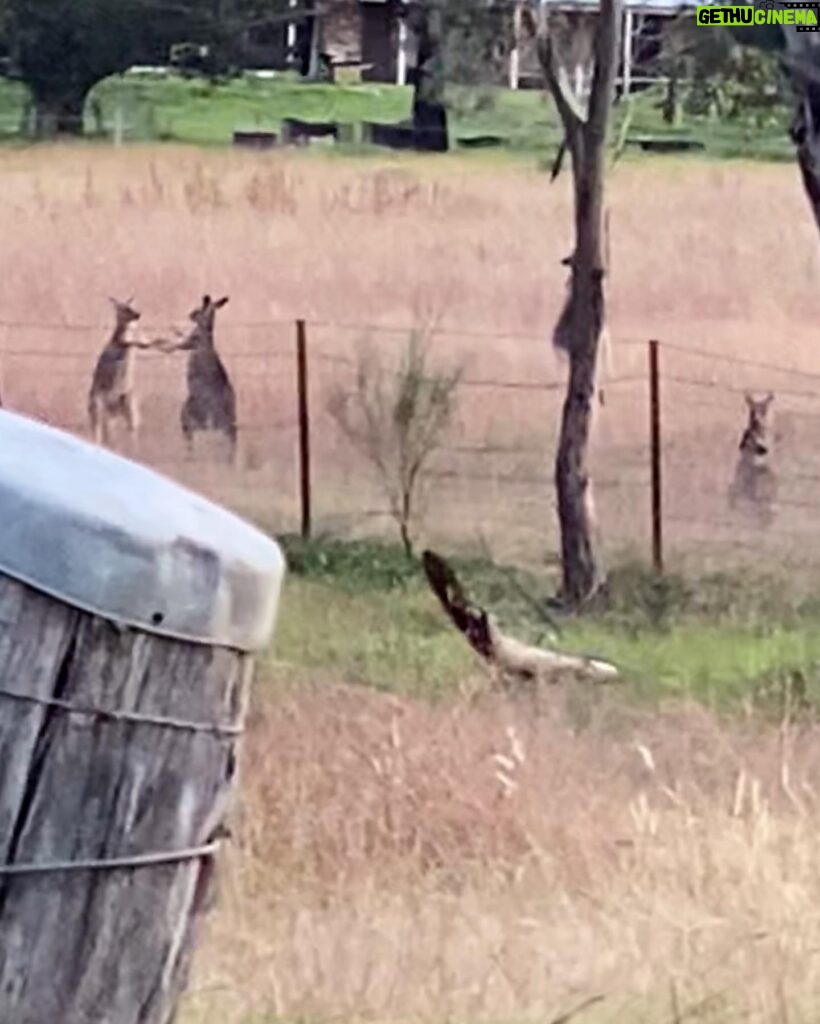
112, 537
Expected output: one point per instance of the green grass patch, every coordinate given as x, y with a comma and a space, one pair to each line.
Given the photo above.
401, 644
171, 108
362, 613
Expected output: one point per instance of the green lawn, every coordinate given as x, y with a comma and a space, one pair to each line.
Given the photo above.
180, 110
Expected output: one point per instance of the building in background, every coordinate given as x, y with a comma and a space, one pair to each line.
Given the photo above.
371, 35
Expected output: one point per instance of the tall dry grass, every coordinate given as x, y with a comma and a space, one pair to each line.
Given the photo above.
397, 861
722, 257
719, 251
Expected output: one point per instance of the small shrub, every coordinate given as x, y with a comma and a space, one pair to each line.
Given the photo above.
397, 419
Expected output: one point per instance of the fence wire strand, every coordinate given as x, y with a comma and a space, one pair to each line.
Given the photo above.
496, 465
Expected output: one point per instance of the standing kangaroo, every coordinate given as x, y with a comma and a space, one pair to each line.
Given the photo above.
754, 484
112, 391
211, 401
561, 339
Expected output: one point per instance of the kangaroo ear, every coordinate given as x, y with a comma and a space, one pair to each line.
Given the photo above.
749, 399
206, 300
221, 302
767, 401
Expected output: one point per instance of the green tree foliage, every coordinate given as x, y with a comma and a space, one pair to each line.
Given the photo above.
747, 86
460, 43
475, 42
60, 49
724, 79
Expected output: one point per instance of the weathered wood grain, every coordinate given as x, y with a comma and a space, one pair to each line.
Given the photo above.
108, 947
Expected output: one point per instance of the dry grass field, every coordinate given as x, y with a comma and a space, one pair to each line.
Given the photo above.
718, 257
402, 862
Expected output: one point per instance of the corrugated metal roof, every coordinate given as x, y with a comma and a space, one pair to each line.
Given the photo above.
638, 6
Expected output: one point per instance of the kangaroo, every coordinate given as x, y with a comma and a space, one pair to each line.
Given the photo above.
754, 484
211, 401
561, 339
112, 391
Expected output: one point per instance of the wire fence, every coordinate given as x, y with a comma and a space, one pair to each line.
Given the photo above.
490, 485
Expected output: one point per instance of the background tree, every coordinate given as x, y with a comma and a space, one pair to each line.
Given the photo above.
458, 42
710, 74
426, 19
60, 49
477, 42
585, 123
798, 56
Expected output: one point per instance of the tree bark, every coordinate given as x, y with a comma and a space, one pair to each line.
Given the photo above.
805, 134
810, 174
581, 573
802, 65
582, 321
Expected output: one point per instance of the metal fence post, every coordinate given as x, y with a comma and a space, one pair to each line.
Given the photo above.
304, 425
655, 457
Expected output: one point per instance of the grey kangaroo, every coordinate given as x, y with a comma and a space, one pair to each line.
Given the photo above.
211, 401
112, 392
754, 483
561, 336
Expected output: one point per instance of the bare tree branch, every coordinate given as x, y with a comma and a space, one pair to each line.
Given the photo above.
606, 51
569, 107
558, 162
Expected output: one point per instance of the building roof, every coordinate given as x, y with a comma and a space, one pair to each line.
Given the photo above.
638, 6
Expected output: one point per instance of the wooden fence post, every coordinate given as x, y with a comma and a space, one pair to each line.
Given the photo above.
304, 425
655, 452
129, 611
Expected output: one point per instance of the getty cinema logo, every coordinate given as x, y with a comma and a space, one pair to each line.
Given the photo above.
804, 16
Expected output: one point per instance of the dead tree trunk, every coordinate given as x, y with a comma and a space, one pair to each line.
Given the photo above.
585, 133
123, 682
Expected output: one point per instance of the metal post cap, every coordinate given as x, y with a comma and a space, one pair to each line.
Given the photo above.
109, 536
